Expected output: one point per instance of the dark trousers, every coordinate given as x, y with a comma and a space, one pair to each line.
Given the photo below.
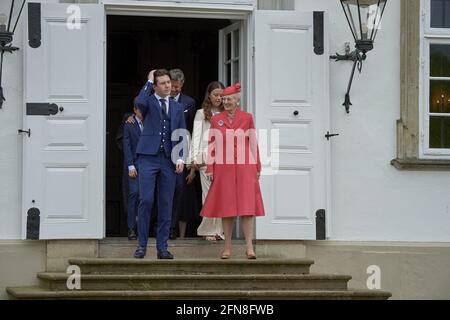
155, 169
133, 201
178, 198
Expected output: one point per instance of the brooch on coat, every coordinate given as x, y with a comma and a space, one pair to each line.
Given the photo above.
220, 123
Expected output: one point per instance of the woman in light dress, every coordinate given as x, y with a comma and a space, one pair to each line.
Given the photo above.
210, 228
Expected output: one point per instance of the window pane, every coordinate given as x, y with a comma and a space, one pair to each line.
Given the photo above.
236, 43
236, 76
440, 13
440, 132
439, 60
228, 75
228, 45
439, 96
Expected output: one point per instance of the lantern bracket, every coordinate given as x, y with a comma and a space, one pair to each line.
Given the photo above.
357, 56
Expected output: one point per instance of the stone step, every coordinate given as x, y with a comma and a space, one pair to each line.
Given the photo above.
58, 282
42, 293
193, 248
181, 248
191, 266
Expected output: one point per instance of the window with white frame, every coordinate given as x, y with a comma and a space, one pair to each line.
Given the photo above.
435, 124
230, 54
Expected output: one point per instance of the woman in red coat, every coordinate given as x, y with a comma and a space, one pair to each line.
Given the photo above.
234, 167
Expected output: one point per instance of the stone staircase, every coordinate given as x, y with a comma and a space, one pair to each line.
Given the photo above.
115, 276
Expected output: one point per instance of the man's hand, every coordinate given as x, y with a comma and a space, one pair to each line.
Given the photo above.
130, 120
150, 76
132, 173
194, 165
190, 176
180, 167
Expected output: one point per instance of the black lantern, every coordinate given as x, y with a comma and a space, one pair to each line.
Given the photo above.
363, 17
8, 24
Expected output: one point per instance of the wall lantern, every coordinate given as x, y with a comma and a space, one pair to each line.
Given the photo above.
8, 24
363, 17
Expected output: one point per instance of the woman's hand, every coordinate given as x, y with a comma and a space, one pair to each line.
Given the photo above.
210, 176
130, 120
258, 175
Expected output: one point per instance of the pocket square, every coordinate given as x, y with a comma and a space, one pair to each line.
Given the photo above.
186, 110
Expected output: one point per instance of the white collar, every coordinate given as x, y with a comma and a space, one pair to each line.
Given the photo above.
159, 98
139, 121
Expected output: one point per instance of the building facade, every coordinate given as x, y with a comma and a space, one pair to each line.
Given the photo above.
383, 183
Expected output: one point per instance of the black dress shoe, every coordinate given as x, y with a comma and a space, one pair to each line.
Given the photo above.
140, 253
164, 255
132, 234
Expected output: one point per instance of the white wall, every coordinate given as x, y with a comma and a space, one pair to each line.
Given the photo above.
371, 200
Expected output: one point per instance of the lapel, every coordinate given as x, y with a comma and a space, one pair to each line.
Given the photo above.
236, 121
173, 113
224, 118
137, 129
154, 103
237, 118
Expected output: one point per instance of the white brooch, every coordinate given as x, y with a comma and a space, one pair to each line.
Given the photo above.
220, 123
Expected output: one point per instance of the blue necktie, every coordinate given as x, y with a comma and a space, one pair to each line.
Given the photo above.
163, 105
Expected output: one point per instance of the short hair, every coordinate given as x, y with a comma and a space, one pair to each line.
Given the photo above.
177, 75
160, 73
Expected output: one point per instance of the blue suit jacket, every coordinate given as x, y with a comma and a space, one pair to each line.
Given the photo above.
150, 140
189, 110
131, 134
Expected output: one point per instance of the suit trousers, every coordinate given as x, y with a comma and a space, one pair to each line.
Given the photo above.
155, 169
177, 198
133, 201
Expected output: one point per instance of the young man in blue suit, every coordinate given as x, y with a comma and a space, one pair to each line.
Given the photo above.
131, 135
162, 116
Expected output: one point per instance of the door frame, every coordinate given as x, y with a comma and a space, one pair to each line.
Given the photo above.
242, 13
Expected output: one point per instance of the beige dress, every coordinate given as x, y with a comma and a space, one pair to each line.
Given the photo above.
198, 152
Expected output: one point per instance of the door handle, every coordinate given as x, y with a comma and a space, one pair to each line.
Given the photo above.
28, 132
329, 135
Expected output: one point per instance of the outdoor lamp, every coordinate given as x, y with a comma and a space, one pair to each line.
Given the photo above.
8, 24
363, 17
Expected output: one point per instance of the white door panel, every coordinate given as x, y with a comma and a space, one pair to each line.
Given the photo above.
291, 95
63, 157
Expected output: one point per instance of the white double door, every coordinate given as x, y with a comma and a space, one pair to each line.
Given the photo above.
64, 156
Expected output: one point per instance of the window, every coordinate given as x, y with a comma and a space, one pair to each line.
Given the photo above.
424, 31
435, 68
230, 50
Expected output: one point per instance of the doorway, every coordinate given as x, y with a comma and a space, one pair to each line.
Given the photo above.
136, 45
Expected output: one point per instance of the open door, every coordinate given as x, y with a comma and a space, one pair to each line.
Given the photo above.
291, 95
63, 174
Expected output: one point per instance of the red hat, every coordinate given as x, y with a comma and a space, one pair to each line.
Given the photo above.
232, 90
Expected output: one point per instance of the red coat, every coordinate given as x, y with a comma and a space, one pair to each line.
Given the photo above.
235, 188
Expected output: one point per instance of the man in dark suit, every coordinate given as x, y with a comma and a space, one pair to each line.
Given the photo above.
131, 135
189, 110
162, 116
